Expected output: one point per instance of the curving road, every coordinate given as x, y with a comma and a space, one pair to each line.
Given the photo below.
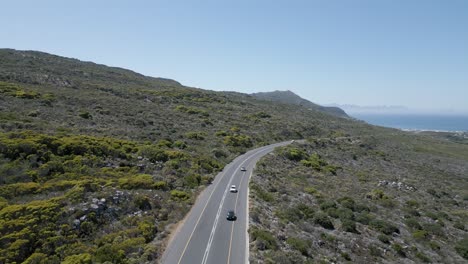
205, 236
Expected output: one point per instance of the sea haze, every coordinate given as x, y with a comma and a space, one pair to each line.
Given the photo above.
416, 121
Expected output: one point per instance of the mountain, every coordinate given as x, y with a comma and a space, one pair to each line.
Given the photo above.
91, 155
99, 164
288, 97
376, 109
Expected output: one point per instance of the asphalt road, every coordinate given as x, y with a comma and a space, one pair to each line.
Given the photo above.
206, 236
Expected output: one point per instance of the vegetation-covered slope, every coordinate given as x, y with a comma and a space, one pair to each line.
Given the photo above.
382, 197
288, 97
98, 163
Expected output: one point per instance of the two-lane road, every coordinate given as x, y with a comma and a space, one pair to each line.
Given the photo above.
206, 236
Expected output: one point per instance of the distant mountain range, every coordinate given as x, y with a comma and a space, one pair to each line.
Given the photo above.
350, 108
288, 97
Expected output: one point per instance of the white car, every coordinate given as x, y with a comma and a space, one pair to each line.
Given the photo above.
243, 169
233, 189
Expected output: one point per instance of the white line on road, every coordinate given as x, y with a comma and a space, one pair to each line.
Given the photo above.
213, 230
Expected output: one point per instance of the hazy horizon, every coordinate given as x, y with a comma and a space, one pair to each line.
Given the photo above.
363, 53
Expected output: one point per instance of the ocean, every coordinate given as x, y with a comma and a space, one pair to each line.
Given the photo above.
417, 121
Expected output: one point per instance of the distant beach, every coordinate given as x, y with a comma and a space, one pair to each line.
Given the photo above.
441, 123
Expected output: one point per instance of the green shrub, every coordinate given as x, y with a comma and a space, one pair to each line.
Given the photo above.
398, 249
332, 212
306, 212
346, 256
364, 218
109, 253
264, 195
413, 223
300, 245
375, 251
412, 203
462, 247
3, 202
377, 194
160, 185
420, 234
330, 169
325, 204
434, 245
262, 115
294, 214
383, 227
180, 144
294, 154
9, 88
383, 238
264, 237
77, 193
423, 257
26, 94
349, 226
347, 202
434, 229
459, 225
238, 141
142, 202
85, 115
312, 191
411, 212
345, 213
84, 258
221, 133
36, 258
140, 181
196, 135
148, 230
192, 180
323, 220
154, 154
164, 143
180, 195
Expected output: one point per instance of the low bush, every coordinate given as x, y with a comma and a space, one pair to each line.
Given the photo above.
294, 154
140, 181
423, 257
413, 223
383, 238
420, 234
399, 249
462, 247
263, 238
238, 141
383, 227
349, 226
364, 218
323, 220
180, 195
300, 245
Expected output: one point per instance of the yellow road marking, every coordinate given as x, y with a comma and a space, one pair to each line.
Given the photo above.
209, 198
232, 226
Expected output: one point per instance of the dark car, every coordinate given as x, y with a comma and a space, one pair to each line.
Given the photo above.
231, 216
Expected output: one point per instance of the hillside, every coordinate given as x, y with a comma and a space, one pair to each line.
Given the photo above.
98, 163
288, 97
389, 197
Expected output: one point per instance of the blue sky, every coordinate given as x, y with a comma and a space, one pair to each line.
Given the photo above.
412, 53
